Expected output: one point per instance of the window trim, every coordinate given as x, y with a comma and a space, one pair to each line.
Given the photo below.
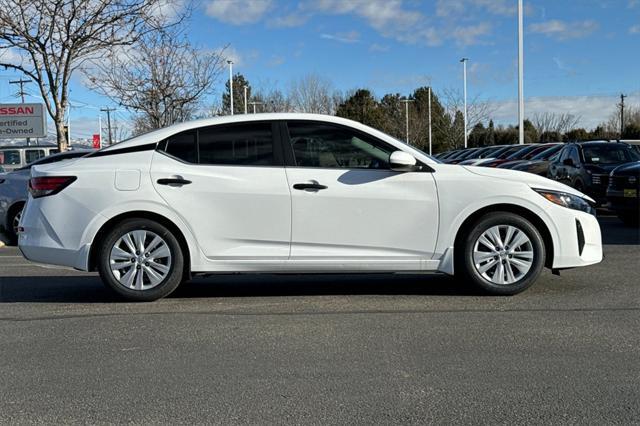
290, 161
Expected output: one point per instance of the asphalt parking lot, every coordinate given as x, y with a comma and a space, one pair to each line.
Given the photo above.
324, 349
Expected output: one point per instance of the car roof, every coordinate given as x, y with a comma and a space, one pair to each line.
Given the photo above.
160, 134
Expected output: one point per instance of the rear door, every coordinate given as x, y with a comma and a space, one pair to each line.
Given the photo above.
349, 209
229, 185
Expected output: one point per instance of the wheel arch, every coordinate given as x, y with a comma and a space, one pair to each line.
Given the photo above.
532, 217
140, 214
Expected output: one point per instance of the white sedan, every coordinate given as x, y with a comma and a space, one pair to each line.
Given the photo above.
297, 193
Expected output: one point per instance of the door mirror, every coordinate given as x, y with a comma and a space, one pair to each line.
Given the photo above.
568, 162
400, 161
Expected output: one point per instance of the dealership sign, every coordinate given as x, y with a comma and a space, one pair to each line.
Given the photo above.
22, 121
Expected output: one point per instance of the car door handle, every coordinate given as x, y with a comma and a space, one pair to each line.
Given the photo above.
173, 181
309, 185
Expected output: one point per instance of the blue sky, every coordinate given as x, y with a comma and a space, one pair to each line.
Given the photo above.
579, 54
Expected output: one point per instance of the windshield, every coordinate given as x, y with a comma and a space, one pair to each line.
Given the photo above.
547, 153
507, 152
611, 153
521, 152
56, 157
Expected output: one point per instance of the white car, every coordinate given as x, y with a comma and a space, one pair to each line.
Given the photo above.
296, 193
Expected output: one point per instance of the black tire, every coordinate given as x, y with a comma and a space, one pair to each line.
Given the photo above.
176, 267
579, 186
630, 219
465, 268
12, 235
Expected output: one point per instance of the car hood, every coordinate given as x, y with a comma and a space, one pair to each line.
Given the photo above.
629, 169
534, 181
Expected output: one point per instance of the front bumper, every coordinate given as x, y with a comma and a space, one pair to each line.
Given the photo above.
580, 240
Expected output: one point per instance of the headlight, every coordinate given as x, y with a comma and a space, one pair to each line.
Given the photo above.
569, 201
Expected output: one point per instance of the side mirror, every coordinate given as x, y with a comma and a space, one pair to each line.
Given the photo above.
400, 161
568, 162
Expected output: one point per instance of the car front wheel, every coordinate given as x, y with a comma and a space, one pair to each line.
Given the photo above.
502, 254
141, 260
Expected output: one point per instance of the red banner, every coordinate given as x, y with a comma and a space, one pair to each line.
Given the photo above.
96, 141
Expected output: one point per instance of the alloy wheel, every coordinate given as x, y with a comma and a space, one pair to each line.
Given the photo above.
140, 260
503, 254
16, 221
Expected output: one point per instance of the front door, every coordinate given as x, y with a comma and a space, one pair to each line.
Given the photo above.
349, 210
229, 185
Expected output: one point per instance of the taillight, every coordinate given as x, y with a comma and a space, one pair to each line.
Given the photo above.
48, 185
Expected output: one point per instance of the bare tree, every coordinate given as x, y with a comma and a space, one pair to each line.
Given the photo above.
478, 111
162, 78
548, 123
48, 40
312, 93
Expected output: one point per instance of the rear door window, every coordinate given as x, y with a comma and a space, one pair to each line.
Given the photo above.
182, 146
245, 144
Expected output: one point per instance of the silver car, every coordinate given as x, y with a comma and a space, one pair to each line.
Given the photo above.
13, 190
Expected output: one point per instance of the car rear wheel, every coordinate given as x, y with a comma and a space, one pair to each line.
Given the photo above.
502, 254
13, 220
141, 260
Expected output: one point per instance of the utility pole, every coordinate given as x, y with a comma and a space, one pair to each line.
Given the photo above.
109, 111
429, 119
100, 130
21, 93
464, 77
406, 112
254, 103
622, 96
520, 75
245, 99
230, 62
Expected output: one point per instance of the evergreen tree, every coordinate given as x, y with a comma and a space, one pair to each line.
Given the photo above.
239, 83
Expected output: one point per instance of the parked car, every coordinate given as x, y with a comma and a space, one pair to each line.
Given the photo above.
623, 192
296, 193
488, 153
468, 153
14, 157
586, 166
539, 164
14, 190
459, 154
450, 154
502, 156
524, 155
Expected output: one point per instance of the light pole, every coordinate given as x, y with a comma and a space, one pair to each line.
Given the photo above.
230, 62
406, 113
464, 78
520, 76
245, 99
429, 119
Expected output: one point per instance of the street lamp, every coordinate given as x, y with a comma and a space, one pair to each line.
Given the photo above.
406, 112
520, 75
464, 77
230, 62
429, 118
245, 100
